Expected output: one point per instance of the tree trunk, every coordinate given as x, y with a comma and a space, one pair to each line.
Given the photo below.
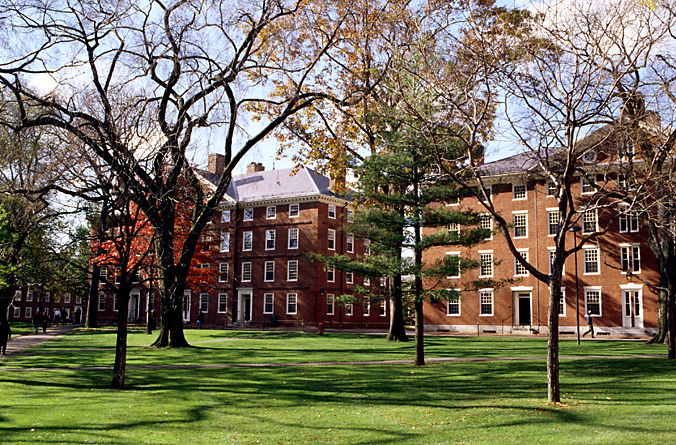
553, 394
671, 318
397, 325
92, 317
120, 367
662, 318
419, 334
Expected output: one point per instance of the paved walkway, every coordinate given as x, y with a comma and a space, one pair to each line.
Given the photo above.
18, 343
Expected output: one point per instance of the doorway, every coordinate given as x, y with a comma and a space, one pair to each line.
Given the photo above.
244, 304
186, 304
134, 305
522, 306
632, 309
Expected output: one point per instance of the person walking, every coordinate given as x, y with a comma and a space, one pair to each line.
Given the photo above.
37, 320
590, 324
5, 334
200, 320
45, 320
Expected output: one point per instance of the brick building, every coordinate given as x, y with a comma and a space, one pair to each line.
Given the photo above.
27, 302
612, 271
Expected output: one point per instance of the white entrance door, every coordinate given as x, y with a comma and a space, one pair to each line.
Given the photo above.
134, 304
244, 305
186, 304
632, 309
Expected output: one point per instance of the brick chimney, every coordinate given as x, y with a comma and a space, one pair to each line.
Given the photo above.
255, 167
216, 163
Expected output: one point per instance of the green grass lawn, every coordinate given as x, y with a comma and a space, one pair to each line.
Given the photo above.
605, 401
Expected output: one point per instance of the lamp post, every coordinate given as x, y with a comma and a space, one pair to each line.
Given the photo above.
576, 229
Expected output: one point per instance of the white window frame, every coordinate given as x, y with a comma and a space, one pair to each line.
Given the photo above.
587, 188
518, 194
332, 211
271, 212
225, 216
366, 281
455, 302
102, 299
631, 254
487, 293
349, 309
562, 303
550, 188
553, 214
519, 269
17, 295
349, 277
103, 272
223, 272
225, 241
453, 227
331, 275
486, 218
349, 241
487, 256
204, 302
350, 215
628, 219
246, 272
292, 270
28, 312
367, 247
383, 308
294, 210
518, 215
366, 307
587, 291
585, 258
271, 302
590, 216
269, 273
29, 295
247, 241
330, 304
270, 239
331, 239
292, 302
66, 299
222, 303
457, 255
17, 312
551, 251
249, 214
294, 235
57, 298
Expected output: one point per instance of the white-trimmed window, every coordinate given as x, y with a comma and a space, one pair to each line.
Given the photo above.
57, 298
486, 302
28, 312
366, 306
367, 247
520, 225
29, 295
246, 271
552, 222
551, 188
330, 304
78, 299
630, 257
223, 270
488, 191
519, 269
225, 216
332, 211
350, 243
222, 303
271, 212
453, 227
269, 271
270, 239
562, 303
17, 295
349, 277
455, 257
591, 261
292, 270
485, 264
366, 281
453, 201
205, 266
453, 306
383, 308
66, 299
204, 302
102, 302
592, 300
293, 238
116, 303
17, 312
47, 297
486, 222
247, 241
551, 253
291, 303
350, 215
268, 303
590, 221
348, 309
628, 221
331, 275
103, 272
225, 241
519, 191
294, 210
331, 239
587, 184
248, 214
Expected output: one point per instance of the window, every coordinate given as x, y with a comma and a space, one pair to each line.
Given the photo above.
552, 222
332, 239
136, 278
486, 194
248, 214
520, 225
587, 184
118, 277
592, 300
628, 221
247, 241
332, 212
383, 308
367, 247
292, 270
269, 271
116, 303
246, 271
225, 216
519, 269
348, 309
349, 277
330, 304
591, 260
294, 210
350, 243
630, 255
78, 299
551, 254
293, 238
17, 295
453, 305
205, 266
66, 299
366, 306
551, 189
485, 264
453, 201
331, 275
57, 298
268, 303
47, 297
589, 220
453, 259
486, 222
367, 281
486, 302
103, 273
518, 191
225, 241
453, 227
204, 302
350, 215
291, 303
17, 312
223, 269
222, 303
271, 212
270, 240
562, 303
29, 312
29, 295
